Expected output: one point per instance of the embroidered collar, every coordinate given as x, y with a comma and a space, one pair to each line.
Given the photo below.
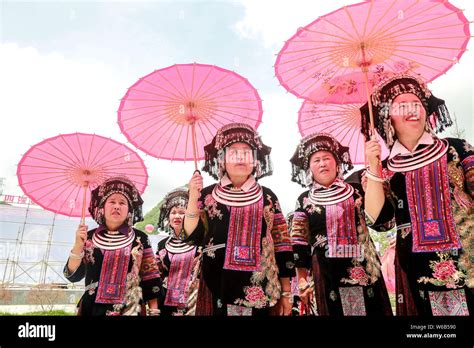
399, 149
338, 191
419, 158
177, 246
336, 182
225, 181
124, 229
112, 240
250, 192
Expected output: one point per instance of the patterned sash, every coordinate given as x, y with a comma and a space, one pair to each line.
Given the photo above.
243, 238
433, 226
429, 199
341, 229
181, 259
448, 303
352, 299
340, 218
113, 275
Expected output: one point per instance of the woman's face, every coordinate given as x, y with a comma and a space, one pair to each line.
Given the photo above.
115, 210
408, 116
323, 165
176, 218
239, 160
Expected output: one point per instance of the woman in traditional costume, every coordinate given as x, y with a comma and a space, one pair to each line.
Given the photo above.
330, 237
247, 257
431, 183
178, 261
117, 260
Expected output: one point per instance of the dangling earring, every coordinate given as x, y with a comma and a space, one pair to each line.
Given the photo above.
390, 134
309, 177
130, 219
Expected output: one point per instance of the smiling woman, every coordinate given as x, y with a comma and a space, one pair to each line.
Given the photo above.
117, 260
432, 183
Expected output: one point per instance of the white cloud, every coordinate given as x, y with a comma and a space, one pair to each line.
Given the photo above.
276, 21
45, 95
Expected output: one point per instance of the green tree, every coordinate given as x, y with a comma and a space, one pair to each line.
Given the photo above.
151, 218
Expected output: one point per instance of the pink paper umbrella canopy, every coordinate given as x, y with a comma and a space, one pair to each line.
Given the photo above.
55, 172
158, 112
340, 120
334, 59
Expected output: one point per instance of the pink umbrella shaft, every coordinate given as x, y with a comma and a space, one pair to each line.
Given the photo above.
84, 198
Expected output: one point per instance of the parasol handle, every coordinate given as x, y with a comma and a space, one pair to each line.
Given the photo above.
365, 70
193, 133
83, 215
369, 99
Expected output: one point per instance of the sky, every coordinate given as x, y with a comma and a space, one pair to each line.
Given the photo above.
65, 65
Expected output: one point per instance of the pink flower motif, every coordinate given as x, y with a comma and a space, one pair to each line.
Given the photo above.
89, 251
255, 294
88, 244
444, 270
352, 88
310, 208
209, 200
358, 274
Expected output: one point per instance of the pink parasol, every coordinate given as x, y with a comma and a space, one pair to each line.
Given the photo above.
338, 57
340, 120
174, 112
59, 173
